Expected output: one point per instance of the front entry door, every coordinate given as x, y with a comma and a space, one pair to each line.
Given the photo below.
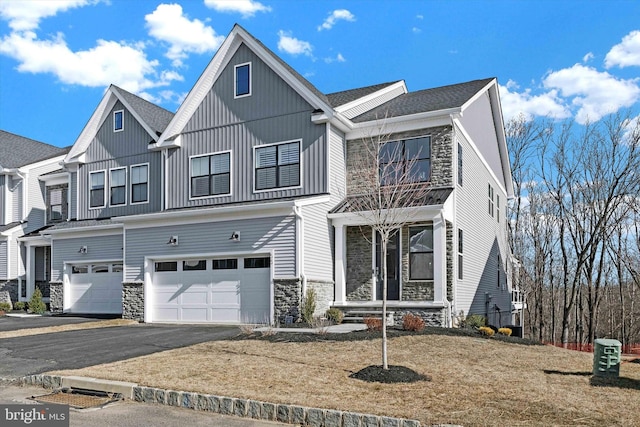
393, 268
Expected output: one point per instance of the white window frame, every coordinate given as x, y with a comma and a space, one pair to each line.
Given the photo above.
491, 195
255, 147
235, 80
115, 113
130, 187
125, 186
230, 175
104, 197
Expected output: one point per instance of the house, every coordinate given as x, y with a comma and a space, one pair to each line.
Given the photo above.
232, 209
31, 196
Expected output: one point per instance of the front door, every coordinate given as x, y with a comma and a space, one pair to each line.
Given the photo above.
393, 268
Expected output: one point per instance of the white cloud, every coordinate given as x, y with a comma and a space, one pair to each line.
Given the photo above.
168, 24
293, 46
337, 58
336, 15
26, 15
594, 93
588, 57
546, 104
125, 65
247, 8
420, 17
625, 54
416, 30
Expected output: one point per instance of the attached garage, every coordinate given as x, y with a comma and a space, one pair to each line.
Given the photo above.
95, 288
219, 290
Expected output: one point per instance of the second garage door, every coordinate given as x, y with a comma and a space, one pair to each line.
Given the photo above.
222, 290
95, 288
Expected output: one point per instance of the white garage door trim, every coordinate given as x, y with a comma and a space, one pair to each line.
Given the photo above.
93, 287
228, 294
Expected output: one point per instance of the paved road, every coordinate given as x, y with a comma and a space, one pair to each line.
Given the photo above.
77, 349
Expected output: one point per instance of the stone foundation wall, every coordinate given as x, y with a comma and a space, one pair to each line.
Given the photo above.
56, 297
133, 301
324, 295
431, 316
11, 287
359, 286
287, 299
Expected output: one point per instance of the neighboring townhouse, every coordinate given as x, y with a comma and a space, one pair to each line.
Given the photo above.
232, 209
29, 200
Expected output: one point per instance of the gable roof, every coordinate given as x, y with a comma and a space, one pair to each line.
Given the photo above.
337, 99
17, 151
153, 118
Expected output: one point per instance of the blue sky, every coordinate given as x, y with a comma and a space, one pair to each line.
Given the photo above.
561, 59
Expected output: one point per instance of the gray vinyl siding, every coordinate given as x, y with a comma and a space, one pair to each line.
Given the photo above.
484, 239
3, 260
36, 203
337, 169
318, 243
73, 195
274, 113
263, 235
105, 248
15, 188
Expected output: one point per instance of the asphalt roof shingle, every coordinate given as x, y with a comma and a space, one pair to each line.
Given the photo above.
436, 196
340, 98
156, 117
17, 151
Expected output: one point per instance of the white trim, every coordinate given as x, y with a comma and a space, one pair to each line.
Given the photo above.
300, 171
358, 106
130, 187
89, 231
210, 196
104, 195
125, 186
54, 178
115, 113
235, 80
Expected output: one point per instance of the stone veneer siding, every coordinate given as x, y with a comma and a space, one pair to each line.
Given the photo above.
359, 286
133, 301
11, 287
44, 288
324, 295
56, 297
432, 316
287, 299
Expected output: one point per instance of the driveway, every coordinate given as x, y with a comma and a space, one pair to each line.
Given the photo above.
77, 349
11, 323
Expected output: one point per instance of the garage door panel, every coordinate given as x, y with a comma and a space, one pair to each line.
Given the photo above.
95, 293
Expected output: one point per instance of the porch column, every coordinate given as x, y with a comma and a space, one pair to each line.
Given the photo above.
30, 270
439, 259
340, 261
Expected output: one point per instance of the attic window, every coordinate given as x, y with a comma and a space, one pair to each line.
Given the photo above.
118, 120
242, 80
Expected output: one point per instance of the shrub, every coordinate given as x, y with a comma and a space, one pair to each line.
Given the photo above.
373, 323
5, 306
485, 330
505, 331
35, 303
19, 305
412, 322
474, 321
335, 315
309, 306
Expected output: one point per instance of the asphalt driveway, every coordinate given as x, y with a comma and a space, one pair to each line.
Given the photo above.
11, 323
35, 354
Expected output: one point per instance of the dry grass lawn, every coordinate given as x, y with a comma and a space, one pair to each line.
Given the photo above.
70, 327
475, 382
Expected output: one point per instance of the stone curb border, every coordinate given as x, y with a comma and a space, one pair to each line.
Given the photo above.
247, 408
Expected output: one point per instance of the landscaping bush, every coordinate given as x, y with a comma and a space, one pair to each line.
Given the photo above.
373, 323
474, 321
35, 303
5, 306
505, 331
485, 330
335, 315
412, 322
309, 306
19, 305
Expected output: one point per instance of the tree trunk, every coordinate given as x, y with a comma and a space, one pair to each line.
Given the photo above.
383, 260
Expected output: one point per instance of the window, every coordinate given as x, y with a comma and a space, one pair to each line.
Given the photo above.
210, 175
167, 266
243, 80
96, 189
225, 264
100, 268
460, 252
118, 120
117, 186
498, 207
116, 268
257, 262
139, 180
79, 269
407, 160
421, 253
277, 166
491, 210
459, 164
195, 264
56, 201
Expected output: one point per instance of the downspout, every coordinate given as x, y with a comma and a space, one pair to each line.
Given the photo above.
297, 210
163, 167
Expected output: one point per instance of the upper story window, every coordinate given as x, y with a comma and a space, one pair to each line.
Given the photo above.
459, 164
117, 186
406, 161
277, 166
498, 207
139, 183
491, 201
211, 175
56, 205
242, 80
96, 189
118, 120
421, 252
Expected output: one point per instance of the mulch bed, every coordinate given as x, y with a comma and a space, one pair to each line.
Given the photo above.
395, 374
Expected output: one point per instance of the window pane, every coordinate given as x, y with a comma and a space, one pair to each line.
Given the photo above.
116, 268
194, 265
289, 175
79, 269
220, 163
257, 262
117, 120
97, 180
421, 266
418, 148
266, 157
117, 196
167, 266
421, 239
419, 171
97, 198
200, 166
139, 193
242, 80
200, 186
391, 151
139, 174
118, 177
55, 197
265, 178
55, 213
220, 184
100, 268
288, 153
225, 264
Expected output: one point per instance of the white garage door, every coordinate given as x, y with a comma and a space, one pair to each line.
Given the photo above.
95, 288
228, 290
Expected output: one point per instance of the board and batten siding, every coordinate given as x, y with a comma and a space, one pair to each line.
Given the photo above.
99, 248
484, 238
212, 238
73, 195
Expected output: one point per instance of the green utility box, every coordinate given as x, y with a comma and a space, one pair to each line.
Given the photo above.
607, 355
